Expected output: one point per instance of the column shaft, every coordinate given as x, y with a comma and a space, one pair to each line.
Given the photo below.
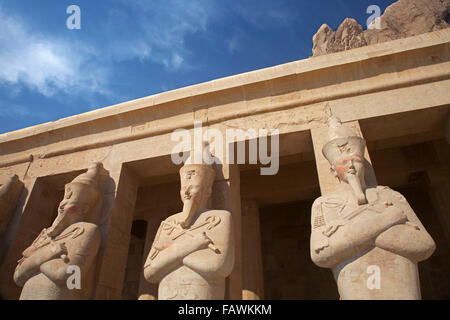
252, 277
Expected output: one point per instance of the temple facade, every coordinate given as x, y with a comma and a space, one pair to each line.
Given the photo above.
395, 95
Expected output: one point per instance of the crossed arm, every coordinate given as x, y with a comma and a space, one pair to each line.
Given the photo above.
28, 266
352, 238
194, 254
387, 230
48, 259
410, 240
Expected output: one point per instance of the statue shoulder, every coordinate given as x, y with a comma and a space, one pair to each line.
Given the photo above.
220, 213
171, 218
216, 217
329, 200
319, 201
88, 226
88, 229
391, 193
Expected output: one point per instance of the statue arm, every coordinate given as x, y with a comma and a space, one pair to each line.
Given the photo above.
161, 262
29, 266
165, 262
410, 240
83, 257
350, 239
210, 264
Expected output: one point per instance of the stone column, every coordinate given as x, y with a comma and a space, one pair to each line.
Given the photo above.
326, 180
38, 210
117, 215
440, 196
149, 291
252, 275
227, 196
439, 185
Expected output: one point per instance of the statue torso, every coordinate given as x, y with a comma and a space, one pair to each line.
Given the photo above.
398, 275
40, 287
184, 283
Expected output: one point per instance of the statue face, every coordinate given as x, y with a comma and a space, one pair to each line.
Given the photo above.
348, 165
192, 186
76, 200
195, 191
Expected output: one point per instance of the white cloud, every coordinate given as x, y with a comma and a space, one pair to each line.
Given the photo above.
177, 60
262, 14
153, 31
44, 64
13, 111
233, 44
161, 26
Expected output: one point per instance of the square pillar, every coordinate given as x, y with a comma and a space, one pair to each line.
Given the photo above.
252, 277
149, 291
117, 219
33, 213
226, 195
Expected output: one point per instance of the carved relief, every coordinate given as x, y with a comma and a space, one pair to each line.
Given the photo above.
193, 250
44, 269
361, 225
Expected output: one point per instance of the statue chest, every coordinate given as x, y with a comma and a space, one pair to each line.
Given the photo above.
70, 237
346, 208
170, 232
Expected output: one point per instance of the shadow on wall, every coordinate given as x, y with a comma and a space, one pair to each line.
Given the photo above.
289, 272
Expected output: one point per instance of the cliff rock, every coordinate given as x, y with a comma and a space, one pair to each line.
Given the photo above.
404, 18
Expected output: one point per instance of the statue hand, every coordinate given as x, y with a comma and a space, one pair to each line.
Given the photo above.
395, 215
58, 249
198, 241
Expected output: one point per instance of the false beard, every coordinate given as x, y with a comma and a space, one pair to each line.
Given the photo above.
358, 192
58, 226
188, 213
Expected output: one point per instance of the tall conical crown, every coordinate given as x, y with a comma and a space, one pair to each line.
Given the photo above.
200, 159
92, 176
341, 139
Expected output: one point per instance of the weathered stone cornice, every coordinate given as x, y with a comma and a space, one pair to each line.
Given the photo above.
385, 66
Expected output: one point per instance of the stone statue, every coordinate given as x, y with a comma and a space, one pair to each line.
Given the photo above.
193, 251
10, 190
60, 263
367, 234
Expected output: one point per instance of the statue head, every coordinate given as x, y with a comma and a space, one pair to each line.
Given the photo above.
80, 198
10, 190
6, 188
345, 153
196, 187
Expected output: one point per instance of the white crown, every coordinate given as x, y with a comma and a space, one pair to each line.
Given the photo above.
341, 139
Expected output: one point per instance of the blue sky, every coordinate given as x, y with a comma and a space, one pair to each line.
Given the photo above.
128, 49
